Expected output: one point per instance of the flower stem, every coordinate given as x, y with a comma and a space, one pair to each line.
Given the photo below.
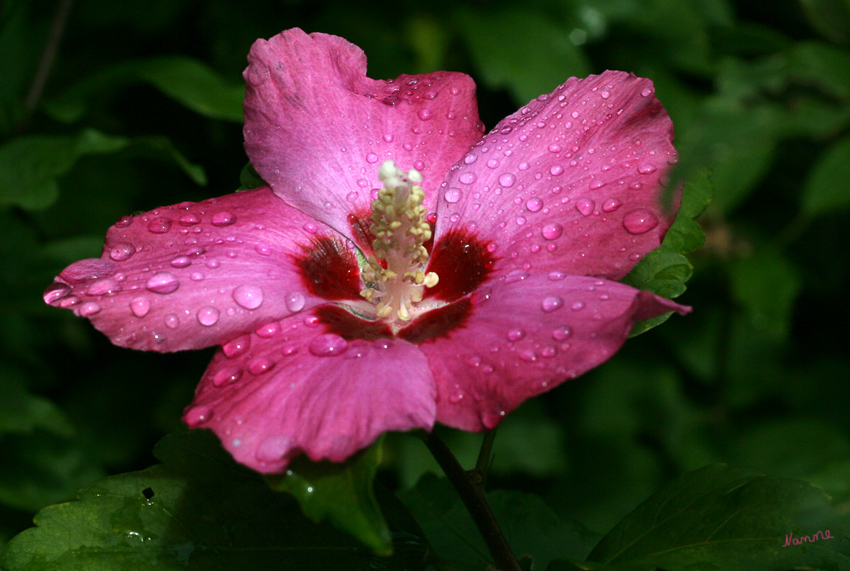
472, 495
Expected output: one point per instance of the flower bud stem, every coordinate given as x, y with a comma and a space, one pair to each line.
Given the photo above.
468, 486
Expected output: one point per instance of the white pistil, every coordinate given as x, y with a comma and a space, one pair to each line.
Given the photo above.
401, 230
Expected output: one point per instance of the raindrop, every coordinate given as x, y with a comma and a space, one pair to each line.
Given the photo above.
492, 163
646, 92
89, 308
295, 301
528, 355
159, 225
467, 178
260, 366
515, 276
371, 158
578, 306
273, 448
122, 251
585, 206
268, 330
198, 415
516, 334
223, 218
561, 333
552, 303
55, 292
263, 250
310, 227
639, 221
162, 283
172, 321
189, 220
554, 148
425, 114
140, 307
208, 316
647, 169
248, 296
181, 262
453, 195
328, 345
611, 205
103, 287
552, 231
226, 376
557, 275
556, 170
534, 204
237, 346
507, 180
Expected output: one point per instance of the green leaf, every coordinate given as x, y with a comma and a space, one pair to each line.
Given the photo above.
726, 518
249, 178
30, 166
196, 510
830, 17
340, 493
766, 284
827, 188
539, 57
531, 528
187, 81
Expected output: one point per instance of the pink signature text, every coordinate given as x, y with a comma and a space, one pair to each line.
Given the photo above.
791, 540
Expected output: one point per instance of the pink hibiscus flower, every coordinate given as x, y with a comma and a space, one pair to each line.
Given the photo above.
400, 268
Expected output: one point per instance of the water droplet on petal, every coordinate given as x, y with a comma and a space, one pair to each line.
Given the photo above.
647, 169
425, 114
159, 225
163, 283
140, 306
103, 287
260, 366
516, 334
122, 251
248, 296
639, 221
295, 301
528, 355
181, 262
223, 218
507, 180
552, 231
646, 92
578, 306
453, 195
172, 321
561, 333
552, 303
585, 206
198, 415
189, 220
268, 330
556, 170
515, 276
273, 448
467, 178
328, 345
55, 292
237, 346
557, 275
611, 205
455, 398
226, 376
208, 316
534, 204
371, 158
89, 308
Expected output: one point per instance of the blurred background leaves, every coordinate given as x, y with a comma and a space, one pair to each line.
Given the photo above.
140, 107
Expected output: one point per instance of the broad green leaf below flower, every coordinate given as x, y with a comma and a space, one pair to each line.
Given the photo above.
196, 510
340, 493
827, 189
726, 518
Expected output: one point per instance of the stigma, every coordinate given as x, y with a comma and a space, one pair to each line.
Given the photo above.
394, 276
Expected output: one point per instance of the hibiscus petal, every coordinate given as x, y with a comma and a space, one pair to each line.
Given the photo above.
526, 334
317, 129
572, 181
194, 275
304, 390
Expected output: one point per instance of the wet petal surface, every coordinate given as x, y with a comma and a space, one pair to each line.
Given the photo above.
572, 181
302, 388
317, 129
526, 334
194, 275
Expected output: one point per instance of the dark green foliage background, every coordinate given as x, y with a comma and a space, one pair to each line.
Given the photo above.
142, 108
